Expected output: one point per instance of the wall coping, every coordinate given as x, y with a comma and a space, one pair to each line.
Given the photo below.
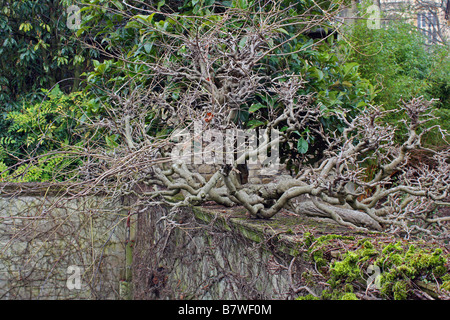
14, 189
285, 230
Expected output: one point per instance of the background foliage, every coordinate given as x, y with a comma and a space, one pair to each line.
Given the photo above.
142, 41
398, 60
39, 51
37, 129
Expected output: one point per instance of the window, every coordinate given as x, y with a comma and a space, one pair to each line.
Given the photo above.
427, 22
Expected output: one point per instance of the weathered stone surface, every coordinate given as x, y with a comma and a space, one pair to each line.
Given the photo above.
215, 254
42, 236
201, 253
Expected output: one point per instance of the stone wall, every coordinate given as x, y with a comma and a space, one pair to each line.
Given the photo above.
54, 247
194, 253
212, 253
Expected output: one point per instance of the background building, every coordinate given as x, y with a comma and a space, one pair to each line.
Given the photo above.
430, 16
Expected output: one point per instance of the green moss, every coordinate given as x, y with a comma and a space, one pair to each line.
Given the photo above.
308, 239
307, 297
400, 290
346, 269
393, 248
328, 294
177, 198
308, 278
349, 296
439, 271
316, 255
348, 288
329, 237
365, 243
446, 285
315, 245
366, 250
400, 264
344, 261
400, 269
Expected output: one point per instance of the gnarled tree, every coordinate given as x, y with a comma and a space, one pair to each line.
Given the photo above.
234, 68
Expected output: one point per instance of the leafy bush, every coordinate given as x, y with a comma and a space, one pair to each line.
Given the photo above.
38, 128
335, 84
397, 59
37, 49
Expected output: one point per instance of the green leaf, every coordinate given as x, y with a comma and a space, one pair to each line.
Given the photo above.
240, 4
256, 107
302, 146
242, 42
118, 4
349, 67
148, 47
143, 18
347, 84
361, 104
282, 31
161, 3
111, 141
243, 116
254, 123
317, 73
133, 25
